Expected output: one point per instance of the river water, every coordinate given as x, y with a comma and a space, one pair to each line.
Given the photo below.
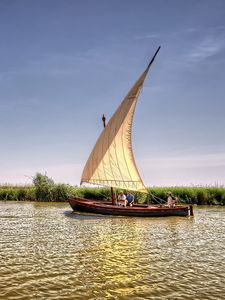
47, 252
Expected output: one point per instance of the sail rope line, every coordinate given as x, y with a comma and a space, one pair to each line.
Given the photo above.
132, 100
103, 163
157, 198
127, 105
130, 136
133, 97
109, 157
117, 160
139, 92
129, 133
110, 161
163, 200
91, 165
97, 168
115, 148
105, 171
113, 144
123, 125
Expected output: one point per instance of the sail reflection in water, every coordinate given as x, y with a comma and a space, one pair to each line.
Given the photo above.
48, 253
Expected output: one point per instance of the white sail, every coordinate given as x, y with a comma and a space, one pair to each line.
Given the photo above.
111, 162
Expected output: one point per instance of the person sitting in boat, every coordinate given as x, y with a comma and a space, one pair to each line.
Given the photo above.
122, 197
171, 201
130, 199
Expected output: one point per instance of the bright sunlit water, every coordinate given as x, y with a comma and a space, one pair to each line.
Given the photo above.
47, 252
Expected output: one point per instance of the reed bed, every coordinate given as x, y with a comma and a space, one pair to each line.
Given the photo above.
193, 195
49, 191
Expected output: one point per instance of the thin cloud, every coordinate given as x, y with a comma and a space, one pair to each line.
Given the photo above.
192, 30
184, 170
147, 36
64, 173
208, 47
205, 50
189, 161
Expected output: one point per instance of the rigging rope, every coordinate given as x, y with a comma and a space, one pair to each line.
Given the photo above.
178, 199
157, 198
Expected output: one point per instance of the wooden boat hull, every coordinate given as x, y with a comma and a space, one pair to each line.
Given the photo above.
138, 210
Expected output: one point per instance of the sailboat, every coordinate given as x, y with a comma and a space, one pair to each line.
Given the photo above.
111, 164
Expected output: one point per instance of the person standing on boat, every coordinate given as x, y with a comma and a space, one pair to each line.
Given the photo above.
130, 199
122, 197
171, 201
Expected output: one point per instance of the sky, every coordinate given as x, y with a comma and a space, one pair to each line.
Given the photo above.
65, 63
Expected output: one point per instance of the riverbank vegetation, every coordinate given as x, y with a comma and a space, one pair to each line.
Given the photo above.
44, 189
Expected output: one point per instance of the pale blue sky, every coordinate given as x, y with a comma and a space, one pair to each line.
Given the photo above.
64, 63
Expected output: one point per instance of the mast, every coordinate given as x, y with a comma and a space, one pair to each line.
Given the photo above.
112, 191
149, 65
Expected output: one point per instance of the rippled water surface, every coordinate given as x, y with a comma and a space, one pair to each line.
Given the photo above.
47, 252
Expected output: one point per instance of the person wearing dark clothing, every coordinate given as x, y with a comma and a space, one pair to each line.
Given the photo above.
130, 199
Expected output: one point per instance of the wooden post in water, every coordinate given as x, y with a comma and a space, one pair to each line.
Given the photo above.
112, 191
191, 211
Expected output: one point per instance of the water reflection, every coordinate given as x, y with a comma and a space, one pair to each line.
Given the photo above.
47, 252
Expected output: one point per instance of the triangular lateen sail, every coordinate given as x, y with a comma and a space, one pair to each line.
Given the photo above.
111, 162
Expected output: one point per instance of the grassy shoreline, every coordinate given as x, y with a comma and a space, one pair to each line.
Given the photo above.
61, 193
